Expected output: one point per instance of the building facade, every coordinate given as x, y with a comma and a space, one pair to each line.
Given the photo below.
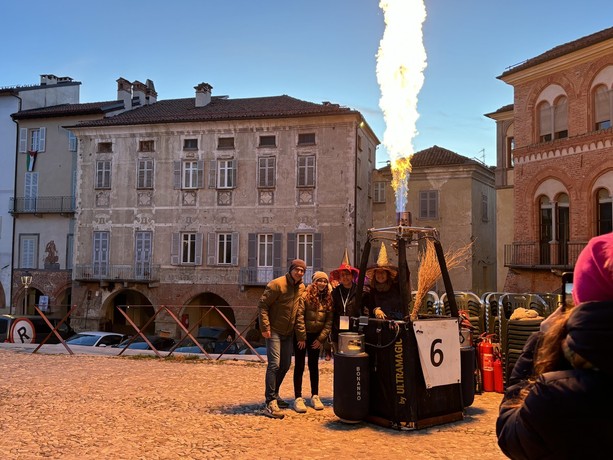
51, 90
555, 161
455, 195
201, 201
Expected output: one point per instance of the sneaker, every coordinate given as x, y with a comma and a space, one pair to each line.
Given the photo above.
316, 403
272, 410
282, 404
300, 406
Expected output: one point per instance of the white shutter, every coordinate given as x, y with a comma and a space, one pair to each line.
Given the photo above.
234, 260
175, 249
72, 142
211, 248
23, 140
198, 255
42, 132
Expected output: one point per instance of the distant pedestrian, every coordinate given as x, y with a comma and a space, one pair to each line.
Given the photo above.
278, 308
313, 325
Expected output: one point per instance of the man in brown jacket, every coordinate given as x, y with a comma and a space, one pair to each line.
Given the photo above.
277, 308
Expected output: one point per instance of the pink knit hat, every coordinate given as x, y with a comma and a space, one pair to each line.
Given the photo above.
593, 274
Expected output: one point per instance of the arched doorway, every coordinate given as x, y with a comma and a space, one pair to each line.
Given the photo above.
136, 305
198, 311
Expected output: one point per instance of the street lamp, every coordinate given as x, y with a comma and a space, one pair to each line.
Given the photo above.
26, 280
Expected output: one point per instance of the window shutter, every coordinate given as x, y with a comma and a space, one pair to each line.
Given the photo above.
177, 175
276, 250
23, 140
545, 119
318, 251
252, 250
213, 174
291, 247
601, 105
433, 205
72, 142
561, 115
200, 174
41, 139
234, 260
211, 248
198, 254
175, 249
234, 173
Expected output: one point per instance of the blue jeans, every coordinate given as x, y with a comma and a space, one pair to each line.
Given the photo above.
279, 350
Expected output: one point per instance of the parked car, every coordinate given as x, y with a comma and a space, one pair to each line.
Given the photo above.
160, 343
31, 329
212, 339
96, 339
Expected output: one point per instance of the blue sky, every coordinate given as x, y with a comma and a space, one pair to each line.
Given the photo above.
316, 50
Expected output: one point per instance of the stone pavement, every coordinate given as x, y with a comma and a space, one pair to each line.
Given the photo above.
57, 406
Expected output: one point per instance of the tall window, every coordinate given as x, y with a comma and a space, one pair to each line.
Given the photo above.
190, 174
545, 229
142, 252
265, 250
101, 254
188, 248
30, 191
306, 171
226, 174
603, 107
103, 174
428, 204
32, 140
605, 212
266, 172
553, 120
379, 192
28, 251
224, 248
305, 248
563, 227
145, 174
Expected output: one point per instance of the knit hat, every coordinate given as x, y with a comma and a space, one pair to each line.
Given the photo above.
297, 263
593, 273
319, 276
383, 263
588, 329
335, 275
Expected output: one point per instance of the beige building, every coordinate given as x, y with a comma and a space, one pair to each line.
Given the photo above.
455, 195
201, 201
554, 174
43, 204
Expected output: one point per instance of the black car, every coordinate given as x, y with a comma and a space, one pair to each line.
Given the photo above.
159, 343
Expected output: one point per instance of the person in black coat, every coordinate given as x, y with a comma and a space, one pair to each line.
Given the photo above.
564, 410
343, 298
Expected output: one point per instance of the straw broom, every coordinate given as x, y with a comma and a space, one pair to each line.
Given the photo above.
430, 270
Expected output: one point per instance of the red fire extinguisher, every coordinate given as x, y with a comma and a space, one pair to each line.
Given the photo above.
487, 364
498, 380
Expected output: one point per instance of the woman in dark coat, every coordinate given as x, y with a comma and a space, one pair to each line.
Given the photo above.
565, 410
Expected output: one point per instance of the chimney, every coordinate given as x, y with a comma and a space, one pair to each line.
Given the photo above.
124, 92
152, 95
203, 94
138, 93
48, 79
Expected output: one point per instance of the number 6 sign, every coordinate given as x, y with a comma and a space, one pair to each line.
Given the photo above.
438, 344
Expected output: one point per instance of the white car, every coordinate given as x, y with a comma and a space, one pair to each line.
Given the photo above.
96, 339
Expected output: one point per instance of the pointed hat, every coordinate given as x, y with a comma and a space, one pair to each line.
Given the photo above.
335, 275
383, 263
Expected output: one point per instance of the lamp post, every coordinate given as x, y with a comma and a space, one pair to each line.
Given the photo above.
26, 280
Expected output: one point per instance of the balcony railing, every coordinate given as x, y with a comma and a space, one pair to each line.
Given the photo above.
102, 272
42, 204
260, 276
561, 255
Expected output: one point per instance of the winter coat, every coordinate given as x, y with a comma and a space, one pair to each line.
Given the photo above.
567, 413
349, 309
278, 305
314, 318
389, 301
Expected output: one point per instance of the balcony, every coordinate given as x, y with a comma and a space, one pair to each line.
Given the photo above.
554, 255
42, 205
260, 276
142, 273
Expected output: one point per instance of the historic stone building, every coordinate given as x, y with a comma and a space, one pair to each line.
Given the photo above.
554, 174
43, 204
455, 195
199, 202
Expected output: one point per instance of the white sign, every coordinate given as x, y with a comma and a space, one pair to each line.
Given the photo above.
43, 302
22, 331
439, 351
